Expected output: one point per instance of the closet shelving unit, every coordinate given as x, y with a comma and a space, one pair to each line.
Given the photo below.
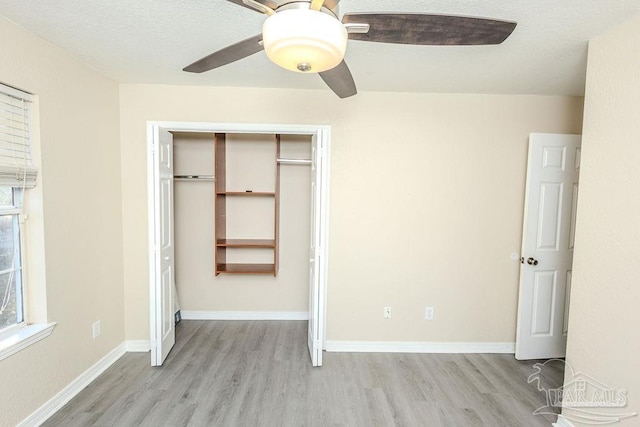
222, 196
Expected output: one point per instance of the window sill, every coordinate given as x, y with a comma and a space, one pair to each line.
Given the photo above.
23, 338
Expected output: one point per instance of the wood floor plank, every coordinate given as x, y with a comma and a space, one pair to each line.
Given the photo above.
258, 373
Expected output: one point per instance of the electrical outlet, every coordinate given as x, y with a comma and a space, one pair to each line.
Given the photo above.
428, 313
95, 328
387, 312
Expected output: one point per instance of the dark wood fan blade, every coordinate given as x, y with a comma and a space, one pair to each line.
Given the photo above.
340, 80
269, 3
227, 55
421, 29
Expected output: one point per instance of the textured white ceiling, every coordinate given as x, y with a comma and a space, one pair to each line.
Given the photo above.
150, 41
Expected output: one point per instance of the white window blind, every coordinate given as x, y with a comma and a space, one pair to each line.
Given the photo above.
16, 166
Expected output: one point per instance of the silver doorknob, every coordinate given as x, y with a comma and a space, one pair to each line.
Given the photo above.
532, 261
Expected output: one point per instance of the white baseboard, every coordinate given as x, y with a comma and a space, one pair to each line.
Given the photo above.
562, 422
76, 386
419, 347
244, 315
137, 346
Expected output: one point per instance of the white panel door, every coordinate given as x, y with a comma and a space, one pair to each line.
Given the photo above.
163, 329
316, 297
547, 245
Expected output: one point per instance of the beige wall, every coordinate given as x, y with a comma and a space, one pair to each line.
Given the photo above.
426, 200
250, 165
82, 218
604, 317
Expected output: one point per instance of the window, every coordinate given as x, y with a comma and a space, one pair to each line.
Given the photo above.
11, 307
21, 324
17, 175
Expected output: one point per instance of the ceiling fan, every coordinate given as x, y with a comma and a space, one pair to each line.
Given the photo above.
307, 36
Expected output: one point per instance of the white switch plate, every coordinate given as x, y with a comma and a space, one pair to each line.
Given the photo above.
428, 313
95, 328
387, 312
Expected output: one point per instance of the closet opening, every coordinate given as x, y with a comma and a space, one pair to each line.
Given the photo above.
238, 226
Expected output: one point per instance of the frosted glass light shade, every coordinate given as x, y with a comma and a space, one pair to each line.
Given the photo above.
304, 40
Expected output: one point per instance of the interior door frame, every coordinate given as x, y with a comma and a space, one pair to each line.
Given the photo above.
323, 135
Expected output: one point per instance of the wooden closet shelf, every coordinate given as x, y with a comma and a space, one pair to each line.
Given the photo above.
246, 193
247, 243
245, 268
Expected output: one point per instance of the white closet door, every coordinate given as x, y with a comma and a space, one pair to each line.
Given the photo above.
316, 297
163, 326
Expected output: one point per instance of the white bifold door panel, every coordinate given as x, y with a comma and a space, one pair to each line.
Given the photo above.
316, 254
163, 323
547, 245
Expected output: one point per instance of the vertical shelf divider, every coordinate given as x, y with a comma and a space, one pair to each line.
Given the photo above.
220, 200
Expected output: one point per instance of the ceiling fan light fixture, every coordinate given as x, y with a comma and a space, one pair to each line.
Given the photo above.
304, 40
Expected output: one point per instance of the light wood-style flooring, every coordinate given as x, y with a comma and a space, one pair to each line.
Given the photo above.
258, 373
